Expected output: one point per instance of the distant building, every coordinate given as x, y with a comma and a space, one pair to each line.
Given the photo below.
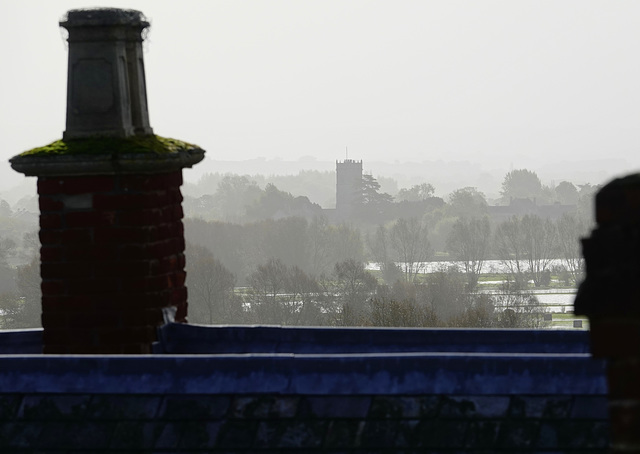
351, 205
348, 182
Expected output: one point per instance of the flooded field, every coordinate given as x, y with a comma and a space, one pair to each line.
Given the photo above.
488, 267
556, 302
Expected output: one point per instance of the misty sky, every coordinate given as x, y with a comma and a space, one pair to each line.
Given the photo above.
509, 82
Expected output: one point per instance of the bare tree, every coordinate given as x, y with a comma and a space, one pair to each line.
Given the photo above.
410, 242
306, 302
570, 228
285, 295
468, 243
211, 289
354, 285
346, 243
515, 308
407, 312
268, 281
444, 292
527, 247
319, 250
379, 247
510, 249
539, 246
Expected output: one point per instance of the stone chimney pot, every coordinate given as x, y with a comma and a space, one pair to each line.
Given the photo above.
106, 89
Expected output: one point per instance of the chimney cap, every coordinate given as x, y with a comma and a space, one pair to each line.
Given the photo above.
96, 17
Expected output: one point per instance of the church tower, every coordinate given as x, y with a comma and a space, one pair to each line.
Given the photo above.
348, 182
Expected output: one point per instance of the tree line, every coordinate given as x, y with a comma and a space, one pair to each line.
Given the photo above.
244, 198
294, 271
228, 261
305, 270
350, 296
528, 246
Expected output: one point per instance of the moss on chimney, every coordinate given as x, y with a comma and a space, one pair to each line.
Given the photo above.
109, 145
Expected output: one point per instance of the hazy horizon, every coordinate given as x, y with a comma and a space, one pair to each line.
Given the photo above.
445, 176
548, 86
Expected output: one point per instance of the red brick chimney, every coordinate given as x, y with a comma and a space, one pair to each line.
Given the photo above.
610, 296
112, 256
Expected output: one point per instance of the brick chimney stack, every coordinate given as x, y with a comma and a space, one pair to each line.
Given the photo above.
112, 255
610, 296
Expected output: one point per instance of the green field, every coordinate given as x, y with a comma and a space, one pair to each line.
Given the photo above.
565, 321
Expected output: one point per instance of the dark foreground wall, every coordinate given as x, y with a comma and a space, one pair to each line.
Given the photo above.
178, 338
365, 402
182, 338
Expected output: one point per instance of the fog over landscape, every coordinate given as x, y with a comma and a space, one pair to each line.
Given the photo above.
319, 226
455, 93
369, 163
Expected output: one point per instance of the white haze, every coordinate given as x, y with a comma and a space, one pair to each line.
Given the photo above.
485, 86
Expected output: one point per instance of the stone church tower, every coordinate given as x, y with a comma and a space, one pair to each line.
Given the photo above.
348, 181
